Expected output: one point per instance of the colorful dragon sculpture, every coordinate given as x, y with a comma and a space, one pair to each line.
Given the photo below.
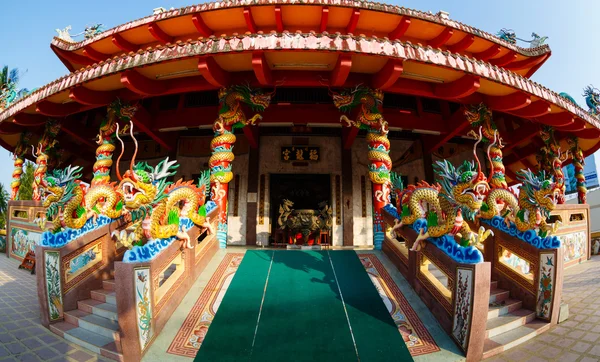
63, 199
18, 156
578, 163
459, 196
551, 159
231, 116
47, 141
162, 203
369, 117
538, 196
500, 200
592, 99
106, 139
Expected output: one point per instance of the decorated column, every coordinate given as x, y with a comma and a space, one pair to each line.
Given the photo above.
369, 117
106, 140
47, 141
231, 116
18, 157
551, 158
578, 163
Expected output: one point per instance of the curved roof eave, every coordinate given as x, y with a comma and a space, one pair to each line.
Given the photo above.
367, 5
310, 42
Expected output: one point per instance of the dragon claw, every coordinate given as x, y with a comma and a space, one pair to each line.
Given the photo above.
423, 235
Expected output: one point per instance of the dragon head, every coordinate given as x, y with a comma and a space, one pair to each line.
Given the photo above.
347, 99
58, 187
540, 190
464, 186
254, 97
143, 185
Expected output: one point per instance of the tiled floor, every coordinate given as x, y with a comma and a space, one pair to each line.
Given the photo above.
576, 339
22, 338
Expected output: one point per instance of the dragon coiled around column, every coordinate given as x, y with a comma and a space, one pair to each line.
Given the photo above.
18, 156
551, 159
63, 199
458, 197
578, 164
106, 139
500, 200
147, 191
47, 141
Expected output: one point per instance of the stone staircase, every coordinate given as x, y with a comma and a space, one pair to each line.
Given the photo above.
94, 324
508, 324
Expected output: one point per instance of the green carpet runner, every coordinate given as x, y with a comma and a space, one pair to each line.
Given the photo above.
303, 315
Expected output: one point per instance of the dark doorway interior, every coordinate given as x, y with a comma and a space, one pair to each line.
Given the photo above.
306, 191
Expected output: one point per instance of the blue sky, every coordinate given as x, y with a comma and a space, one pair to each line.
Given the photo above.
27, 27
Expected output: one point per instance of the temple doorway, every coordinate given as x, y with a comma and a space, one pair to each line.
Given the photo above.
303, 192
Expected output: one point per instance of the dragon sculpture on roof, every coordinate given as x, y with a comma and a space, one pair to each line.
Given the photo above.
458, 197
592, 99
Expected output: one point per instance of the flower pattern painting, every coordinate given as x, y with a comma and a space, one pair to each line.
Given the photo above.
545, 289
463, 306
143, 306
53, 285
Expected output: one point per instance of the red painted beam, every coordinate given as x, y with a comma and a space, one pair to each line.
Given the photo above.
455, 125
412, 87
340, 73
520, 135
488, 53
442, 38
509, 102
250, 20
139, 84
123, 44
588, 133
261, 69
10, 128
94, 54
77, 136
534, 69
592, 150
462, 87
526, 63
159, 34
278, 19
348, 136
90, 97
400, 29
201, 26
388, 75
29, 120
58, 110
252, 136
510, 57
353, 21
324, 19
535, 109
73, 57
577, 125
142, 120
463, 44
556, 119
213, 73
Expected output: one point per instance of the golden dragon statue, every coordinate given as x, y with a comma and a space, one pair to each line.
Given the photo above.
162, 203
458, 197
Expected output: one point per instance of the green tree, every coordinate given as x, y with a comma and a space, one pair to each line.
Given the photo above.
9, 80
3, 206
26, 189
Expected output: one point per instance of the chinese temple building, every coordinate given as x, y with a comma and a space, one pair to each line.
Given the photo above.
305, 125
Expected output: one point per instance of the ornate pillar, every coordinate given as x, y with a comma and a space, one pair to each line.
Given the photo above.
368, 103
230, 117
551, 159
578, 163
106, 140
47, 141
18, 157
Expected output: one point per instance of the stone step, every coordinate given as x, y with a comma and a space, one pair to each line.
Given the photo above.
105, 296
498, 295
505, 341
96, 307
494, 285
109, 284
89, 340
507, 322
94, 323
497, 309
